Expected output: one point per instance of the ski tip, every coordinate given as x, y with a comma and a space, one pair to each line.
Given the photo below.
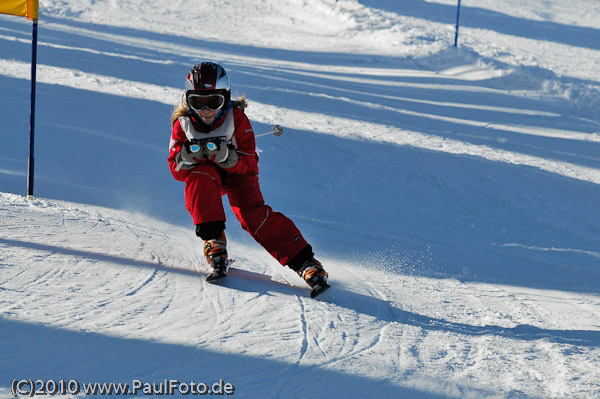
219, 274
318, 289
214, 277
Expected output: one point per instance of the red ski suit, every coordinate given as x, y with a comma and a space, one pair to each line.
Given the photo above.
207, 182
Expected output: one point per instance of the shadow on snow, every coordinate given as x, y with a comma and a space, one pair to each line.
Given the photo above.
248, 281
35, 351
473, 219
479, 18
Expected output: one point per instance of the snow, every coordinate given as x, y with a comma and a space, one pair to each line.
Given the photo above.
451, 193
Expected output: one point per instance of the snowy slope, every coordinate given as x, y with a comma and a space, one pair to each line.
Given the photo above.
96, 294
452, 194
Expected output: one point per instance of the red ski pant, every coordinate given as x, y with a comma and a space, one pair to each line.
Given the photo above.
204, 187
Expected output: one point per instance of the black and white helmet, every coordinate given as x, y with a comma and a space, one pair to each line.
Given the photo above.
207, 85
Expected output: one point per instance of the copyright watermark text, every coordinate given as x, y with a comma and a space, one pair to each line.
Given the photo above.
168, 387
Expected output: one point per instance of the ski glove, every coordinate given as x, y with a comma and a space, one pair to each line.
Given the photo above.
222, 153
189, 156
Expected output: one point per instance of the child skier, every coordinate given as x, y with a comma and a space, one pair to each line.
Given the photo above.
212, 150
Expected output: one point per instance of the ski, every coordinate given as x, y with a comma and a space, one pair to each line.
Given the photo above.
216, 275
318, 289
219, 273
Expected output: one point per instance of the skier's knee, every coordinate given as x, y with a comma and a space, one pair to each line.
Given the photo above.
210, 230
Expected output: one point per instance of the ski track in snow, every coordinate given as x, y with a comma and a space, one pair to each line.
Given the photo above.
391, 322
100, 294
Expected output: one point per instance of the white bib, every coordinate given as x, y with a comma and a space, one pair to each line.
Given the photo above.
226, 129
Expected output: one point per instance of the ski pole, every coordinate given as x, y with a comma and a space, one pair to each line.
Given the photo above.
276, 130
194, 147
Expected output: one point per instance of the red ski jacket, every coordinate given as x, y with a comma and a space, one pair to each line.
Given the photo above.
207, 182
234, 125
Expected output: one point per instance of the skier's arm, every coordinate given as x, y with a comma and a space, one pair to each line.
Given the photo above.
245, 146
178, 139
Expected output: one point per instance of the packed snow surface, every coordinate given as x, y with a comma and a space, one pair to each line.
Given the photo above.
452, 193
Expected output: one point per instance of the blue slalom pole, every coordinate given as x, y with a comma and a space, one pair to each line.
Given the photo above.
457, 19
30, 170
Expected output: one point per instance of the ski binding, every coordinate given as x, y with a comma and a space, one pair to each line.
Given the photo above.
219, 273
318, 289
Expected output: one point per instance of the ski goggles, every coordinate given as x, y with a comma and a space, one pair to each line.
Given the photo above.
212, 102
